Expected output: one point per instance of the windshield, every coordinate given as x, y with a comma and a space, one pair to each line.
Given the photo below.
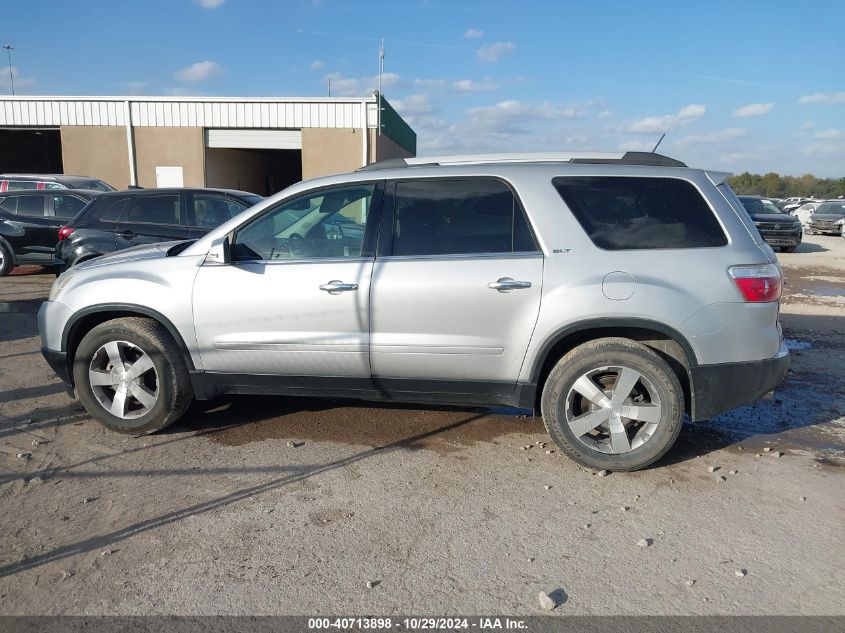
756, 205
834, 207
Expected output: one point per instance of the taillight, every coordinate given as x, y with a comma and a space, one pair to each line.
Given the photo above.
758, 283
65, 231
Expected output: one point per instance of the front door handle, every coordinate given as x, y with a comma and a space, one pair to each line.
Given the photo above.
506, 284
127, 235
335, 287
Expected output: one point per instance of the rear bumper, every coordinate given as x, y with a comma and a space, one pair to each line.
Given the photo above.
719, 388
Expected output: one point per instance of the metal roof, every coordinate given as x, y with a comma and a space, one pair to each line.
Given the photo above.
592, 158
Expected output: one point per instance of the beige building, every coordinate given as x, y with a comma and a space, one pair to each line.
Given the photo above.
260, 145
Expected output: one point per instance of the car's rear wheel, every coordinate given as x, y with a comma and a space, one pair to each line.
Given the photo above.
131, 377
613, 404
6, 261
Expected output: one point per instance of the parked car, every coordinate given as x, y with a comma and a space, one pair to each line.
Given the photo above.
29, 221
827, 216
534, 281
17, 182
143, 216
804, 212
778, 228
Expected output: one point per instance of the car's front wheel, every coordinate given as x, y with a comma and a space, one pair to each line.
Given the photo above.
130, 376
6, 261
613, 404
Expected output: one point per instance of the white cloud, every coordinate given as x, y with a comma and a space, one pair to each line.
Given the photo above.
199, 71
513, 111
136, 87
316, 64
604, 114
471, 34
471, 85
823, 97
713, 138
666, 122
210, 4
829, 134
576, 139
753, 109
490, 53
809, 125
360, 86
414, 106
20, 82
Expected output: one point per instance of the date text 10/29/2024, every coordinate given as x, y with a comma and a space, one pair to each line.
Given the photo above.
416, 624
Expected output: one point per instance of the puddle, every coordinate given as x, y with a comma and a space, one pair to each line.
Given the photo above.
246, 419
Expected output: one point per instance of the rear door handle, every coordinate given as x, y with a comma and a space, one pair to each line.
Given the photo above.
506, 284
335, 287
127, 235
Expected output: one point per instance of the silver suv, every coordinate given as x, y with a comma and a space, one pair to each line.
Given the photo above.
614, 292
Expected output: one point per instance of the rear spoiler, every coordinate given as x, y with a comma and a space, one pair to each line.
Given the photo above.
718, 177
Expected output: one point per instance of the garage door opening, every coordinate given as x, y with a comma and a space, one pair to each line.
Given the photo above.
30, 151
261, 161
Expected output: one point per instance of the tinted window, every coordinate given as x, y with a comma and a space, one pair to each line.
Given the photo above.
9, 204
453, 217
67, 207
94, 185
155, 210
325, 224
56, 185
620, 212
113, 209
32, 206
21, 185
210, 211
756, 205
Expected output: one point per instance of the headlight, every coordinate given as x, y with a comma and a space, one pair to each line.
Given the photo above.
60, 284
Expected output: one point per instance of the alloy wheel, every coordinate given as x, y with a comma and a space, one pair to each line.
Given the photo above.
613, 409
123, 379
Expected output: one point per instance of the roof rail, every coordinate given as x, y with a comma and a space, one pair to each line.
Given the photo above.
592, 158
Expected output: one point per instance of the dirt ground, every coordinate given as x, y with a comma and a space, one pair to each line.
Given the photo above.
288, 506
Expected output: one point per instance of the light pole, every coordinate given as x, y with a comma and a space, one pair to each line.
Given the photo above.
9, 48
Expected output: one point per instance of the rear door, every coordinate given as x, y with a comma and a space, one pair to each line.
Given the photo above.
152, 217
456, 288
35, 233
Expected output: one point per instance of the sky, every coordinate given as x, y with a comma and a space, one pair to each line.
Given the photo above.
736, 86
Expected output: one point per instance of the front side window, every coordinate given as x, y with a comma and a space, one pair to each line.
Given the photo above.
32, 206
458, 217
324, 224
9, 204
66, 207
621, 213
209, 211
162, 209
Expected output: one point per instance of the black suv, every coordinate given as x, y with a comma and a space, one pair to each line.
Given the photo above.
30, 220
17, 182
143, 216
776, 227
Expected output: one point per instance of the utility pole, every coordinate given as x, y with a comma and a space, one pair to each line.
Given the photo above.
330, 86
9, 48
380, 72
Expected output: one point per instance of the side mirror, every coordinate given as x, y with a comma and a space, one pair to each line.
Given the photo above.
219, 251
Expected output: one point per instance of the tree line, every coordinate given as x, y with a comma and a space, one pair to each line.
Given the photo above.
774, 185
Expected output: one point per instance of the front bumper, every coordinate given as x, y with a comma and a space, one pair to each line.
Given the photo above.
719, 388
825, 227
780, 237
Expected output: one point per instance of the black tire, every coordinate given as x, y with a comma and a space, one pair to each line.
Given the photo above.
173, 381
788, 249
6, 260
613, 352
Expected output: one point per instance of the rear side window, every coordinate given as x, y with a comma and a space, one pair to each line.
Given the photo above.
208, 211
155, 210
66, 206
32, 206
112, 209
622, 213
9, 204
456, 217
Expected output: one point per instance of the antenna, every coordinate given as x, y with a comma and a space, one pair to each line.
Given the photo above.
658, 142
9, 48
330, 85
380, 71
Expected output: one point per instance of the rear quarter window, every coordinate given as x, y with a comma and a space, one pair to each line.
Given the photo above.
626, 213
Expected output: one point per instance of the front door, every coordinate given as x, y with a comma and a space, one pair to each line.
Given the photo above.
36, 231
456, 295
294, 298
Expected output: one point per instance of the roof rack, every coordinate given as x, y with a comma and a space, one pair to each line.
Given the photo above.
592, 158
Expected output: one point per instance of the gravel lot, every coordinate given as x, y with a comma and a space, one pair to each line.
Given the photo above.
288, 506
